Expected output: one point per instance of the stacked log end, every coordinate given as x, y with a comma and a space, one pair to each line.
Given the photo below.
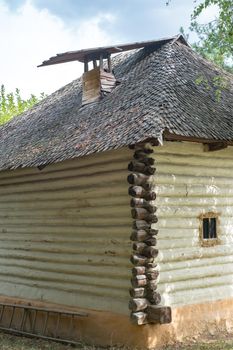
143, 292
144, 295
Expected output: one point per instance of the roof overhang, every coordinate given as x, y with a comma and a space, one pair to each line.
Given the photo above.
209, 144
168, 136
91, 54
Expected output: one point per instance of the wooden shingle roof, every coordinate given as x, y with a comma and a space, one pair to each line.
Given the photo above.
158, 92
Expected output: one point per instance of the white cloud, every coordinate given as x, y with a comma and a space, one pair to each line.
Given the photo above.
30, 36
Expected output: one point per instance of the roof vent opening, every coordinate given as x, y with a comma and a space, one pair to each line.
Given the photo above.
98, 81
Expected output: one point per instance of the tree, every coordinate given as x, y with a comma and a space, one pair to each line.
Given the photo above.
12, 104
215, 39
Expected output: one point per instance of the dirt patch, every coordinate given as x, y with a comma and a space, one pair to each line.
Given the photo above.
12, 342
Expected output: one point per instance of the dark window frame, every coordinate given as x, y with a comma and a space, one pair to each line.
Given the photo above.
209, 229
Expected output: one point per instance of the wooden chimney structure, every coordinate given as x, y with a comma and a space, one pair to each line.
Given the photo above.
97, 81
100, 80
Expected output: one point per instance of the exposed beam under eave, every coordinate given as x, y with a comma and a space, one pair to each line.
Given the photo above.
209, 144
215, 146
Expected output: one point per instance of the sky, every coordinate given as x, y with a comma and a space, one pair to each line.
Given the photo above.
31, 31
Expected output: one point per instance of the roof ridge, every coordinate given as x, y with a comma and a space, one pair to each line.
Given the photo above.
181, 38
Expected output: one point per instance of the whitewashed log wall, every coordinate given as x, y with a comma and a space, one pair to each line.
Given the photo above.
188, 182
64, 232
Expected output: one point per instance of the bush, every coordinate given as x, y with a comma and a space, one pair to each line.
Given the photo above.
12, 104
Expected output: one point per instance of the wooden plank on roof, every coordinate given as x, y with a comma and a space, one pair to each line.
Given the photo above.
94, 53
91, 86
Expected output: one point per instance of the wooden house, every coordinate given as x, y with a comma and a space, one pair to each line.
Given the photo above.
116, 201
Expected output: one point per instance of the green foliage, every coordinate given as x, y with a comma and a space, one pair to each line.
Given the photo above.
218, 83
215, 39
12, 104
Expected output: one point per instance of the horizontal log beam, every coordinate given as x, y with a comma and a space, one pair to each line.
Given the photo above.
160, 315
150, 264
141, 155
139, 235
142, 203
139, 246
145, 151
151, 241
143, 147
150, 252
138, 304
143, 235
141, 168
143, 214
139, 260
137, 191
138, 318
215, 146
154, 297
173, 137
139, 281
140, 192
139, 179
151, 285
137, 292
138, 270
152, 275
143, 249
146, 161
141, 225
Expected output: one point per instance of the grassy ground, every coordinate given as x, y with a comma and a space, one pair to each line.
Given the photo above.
10, 342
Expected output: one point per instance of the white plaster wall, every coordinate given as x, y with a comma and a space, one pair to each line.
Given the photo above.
188, 182
64, 232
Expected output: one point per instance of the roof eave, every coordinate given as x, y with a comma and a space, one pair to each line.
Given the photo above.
168, 136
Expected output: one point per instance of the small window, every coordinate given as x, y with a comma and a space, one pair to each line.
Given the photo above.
209, 229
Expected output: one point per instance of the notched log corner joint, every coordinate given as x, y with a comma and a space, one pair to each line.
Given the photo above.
145, 300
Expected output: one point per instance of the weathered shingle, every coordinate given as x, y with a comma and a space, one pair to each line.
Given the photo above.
158, 91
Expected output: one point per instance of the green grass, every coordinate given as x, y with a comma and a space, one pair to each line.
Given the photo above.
10, 342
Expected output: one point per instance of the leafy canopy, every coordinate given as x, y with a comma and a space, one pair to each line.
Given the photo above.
215, 39
12, 104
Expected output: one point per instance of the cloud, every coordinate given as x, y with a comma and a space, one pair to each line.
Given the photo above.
32, 35
34, 30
